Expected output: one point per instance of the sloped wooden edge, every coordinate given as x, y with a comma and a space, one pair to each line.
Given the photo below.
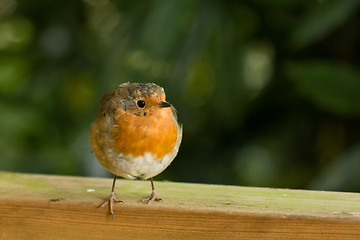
32, 206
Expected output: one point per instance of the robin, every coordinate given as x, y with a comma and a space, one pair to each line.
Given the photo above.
136, 134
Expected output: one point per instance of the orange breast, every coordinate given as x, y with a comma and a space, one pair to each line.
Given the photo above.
156, 133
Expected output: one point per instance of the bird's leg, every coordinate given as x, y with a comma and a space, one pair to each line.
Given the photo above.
152, 196
111, 199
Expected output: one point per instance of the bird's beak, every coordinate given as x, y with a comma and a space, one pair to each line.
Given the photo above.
163, 104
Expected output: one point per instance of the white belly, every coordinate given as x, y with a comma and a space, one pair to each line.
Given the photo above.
142, 167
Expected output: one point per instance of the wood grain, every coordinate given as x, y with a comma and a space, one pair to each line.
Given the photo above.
58, 207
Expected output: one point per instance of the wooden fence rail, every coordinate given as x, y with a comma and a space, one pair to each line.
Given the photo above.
58, 207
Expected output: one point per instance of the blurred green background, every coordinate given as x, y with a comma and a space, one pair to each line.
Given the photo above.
268, 91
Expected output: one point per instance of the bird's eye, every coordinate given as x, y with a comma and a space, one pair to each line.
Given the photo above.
140, 103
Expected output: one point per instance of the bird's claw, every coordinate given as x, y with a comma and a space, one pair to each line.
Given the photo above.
110, 201
151, 198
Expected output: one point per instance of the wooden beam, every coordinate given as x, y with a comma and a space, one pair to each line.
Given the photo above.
58, 207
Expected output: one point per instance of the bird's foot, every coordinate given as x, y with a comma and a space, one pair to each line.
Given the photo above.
151, 198
110, 201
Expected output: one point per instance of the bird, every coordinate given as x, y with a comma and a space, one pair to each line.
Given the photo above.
136, 135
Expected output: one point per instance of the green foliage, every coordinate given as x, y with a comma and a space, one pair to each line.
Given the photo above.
321, 19
267, 91
333, 87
